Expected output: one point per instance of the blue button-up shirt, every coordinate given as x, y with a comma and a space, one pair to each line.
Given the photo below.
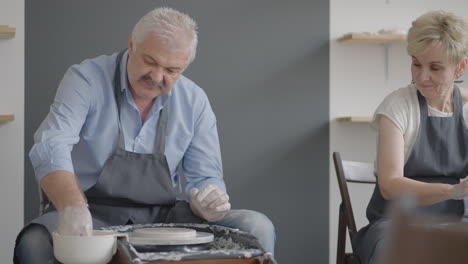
81, 130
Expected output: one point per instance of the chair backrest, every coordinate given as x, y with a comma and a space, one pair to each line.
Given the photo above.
349, 171
345, 199
360, 172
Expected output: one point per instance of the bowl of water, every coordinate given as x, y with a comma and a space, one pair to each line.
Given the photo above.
96, 249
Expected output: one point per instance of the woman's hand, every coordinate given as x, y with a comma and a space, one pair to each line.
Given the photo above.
459, 191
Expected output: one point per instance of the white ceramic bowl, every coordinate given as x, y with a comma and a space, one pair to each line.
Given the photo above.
96, 249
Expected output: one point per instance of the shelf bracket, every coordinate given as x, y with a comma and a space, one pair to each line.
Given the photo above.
386, 58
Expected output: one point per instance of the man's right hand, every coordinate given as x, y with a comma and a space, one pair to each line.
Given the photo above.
62, 189
75, 221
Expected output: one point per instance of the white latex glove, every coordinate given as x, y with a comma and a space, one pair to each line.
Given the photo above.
459, 191
75, 221
211, 203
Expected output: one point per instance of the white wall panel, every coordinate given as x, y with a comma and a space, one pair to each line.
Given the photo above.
11, 132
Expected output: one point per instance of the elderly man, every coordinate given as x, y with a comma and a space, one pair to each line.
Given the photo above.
108, 151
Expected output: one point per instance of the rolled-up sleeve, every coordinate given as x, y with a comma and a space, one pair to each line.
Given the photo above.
60, 130
202, 161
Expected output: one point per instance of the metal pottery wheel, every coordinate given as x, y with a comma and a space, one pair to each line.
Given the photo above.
168, 236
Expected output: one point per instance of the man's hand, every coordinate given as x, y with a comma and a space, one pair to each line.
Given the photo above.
75, 221
62, 189
211, 203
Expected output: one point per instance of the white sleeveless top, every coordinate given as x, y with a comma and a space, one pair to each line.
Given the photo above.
402, 107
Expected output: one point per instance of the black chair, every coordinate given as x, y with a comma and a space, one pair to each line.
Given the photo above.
349, 171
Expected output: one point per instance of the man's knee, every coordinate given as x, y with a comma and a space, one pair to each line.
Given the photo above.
33, 242
32, 236
250, 221
260, 226
259, 222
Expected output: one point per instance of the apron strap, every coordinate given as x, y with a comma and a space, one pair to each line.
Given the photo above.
118, 95
422, 107
160, 141
457, 102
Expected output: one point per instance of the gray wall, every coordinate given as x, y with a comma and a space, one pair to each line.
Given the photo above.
265, 67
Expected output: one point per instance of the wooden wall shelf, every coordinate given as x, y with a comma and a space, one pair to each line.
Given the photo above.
355, 119
7, 32
4, 118
371, 38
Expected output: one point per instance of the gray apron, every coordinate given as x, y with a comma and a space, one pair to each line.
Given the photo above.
133, 187
439, 155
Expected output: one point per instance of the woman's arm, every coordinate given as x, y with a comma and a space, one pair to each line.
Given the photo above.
390, 164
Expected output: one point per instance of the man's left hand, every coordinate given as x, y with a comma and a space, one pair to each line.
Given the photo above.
211, 203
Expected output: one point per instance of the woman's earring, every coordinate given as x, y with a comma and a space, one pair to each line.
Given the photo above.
458, 77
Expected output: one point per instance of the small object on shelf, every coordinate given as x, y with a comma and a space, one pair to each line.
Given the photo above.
355, 119
370, 38
7, 118
7, 32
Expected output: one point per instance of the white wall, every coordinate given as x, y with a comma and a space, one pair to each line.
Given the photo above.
11, 133
358, 83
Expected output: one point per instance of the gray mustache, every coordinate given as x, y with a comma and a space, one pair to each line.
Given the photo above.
148, 80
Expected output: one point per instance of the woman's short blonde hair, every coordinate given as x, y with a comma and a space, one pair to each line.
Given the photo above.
439, 27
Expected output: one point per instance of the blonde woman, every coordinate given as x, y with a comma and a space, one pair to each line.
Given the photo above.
422, 130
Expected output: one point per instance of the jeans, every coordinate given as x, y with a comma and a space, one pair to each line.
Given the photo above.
34, 243
370, 241
255, 223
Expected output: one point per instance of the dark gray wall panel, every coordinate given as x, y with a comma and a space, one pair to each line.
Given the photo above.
265, 67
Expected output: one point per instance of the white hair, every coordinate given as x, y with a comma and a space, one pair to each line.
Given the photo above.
168, 24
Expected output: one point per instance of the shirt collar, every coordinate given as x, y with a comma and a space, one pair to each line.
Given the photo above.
123, 72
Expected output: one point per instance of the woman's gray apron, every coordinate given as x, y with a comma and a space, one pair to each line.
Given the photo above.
439, 155
133, 187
